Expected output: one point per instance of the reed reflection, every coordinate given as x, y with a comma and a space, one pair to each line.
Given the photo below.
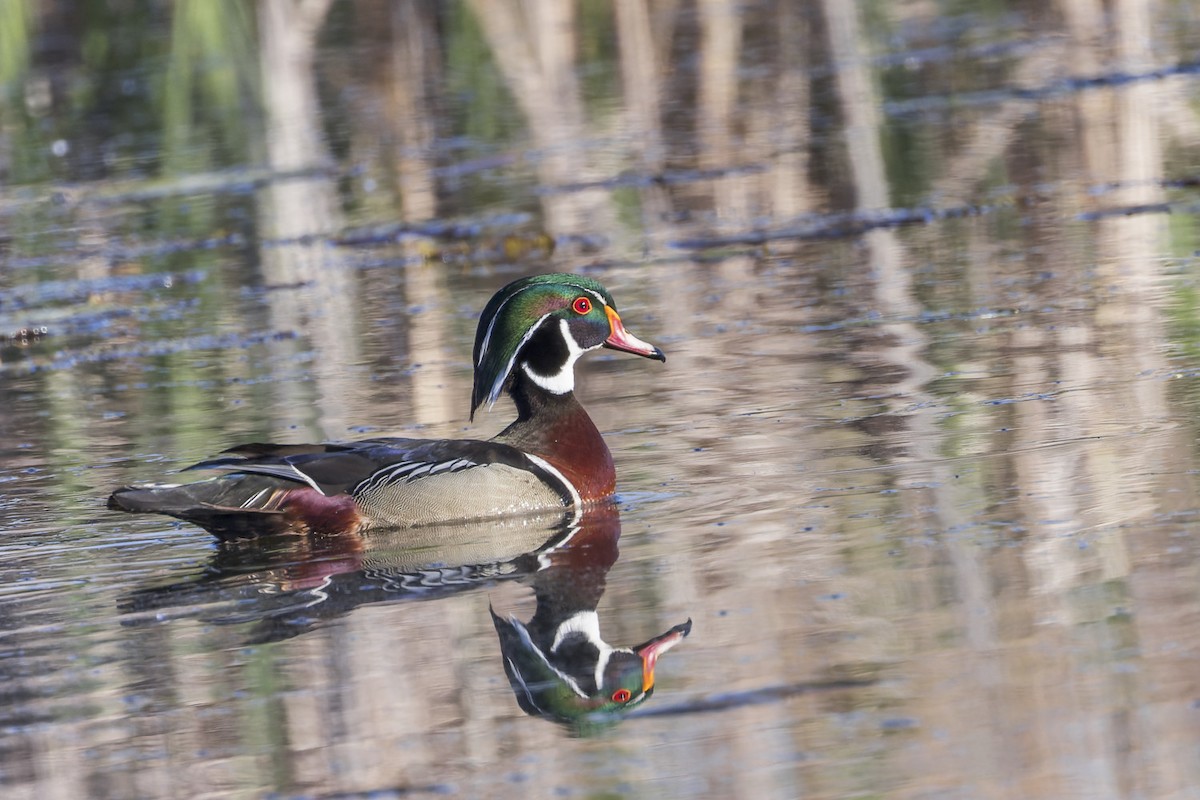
557, 663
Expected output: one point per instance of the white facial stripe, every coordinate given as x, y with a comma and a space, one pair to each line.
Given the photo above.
498, 386
487, 338
564, 380
602, 663
527, 641
516, 671
599, 298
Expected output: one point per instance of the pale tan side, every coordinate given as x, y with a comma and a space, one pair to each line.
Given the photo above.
477, 493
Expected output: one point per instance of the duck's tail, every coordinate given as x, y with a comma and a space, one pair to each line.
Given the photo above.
230, 507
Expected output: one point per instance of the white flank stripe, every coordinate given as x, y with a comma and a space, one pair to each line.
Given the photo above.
576, 500
305, 478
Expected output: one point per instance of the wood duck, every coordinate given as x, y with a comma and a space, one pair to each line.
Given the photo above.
528, 339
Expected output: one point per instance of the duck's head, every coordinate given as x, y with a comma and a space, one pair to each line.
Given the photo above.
541, 325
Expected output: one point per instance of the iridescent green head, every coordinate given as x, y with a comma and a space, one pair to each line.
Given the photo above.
541, 325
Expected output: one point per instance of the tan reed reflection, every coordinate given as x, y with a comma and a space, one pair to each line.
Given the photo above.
311, 289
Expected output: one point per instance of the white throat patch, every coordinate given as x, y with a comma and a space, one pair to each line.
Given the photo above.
564, 380
588, 624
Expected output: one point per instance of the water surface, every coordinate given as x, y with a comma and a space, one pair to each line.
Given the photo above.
920, 467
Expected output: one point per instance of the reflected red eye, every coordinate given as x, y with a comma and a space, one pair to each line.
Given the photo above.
582, 305
620, 695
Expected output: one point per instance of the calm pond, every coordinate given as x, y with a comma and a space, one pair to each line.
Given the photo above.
921, 467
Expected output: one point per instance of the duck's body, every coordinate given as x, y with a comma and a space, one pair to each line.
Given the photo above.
551, 456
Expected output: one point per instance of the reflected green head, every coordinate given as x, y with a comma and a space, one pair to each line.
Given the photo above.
545, 689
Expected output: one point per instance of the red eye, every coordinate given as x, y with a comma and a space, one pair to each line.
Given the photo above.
620, 695
582, 305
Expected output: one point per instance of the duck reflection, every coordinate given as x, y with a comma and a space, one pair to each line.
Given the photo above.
559, 666
557, 663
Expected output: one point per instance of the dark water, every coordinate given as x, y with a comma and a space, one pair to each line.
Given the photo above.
920, 467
